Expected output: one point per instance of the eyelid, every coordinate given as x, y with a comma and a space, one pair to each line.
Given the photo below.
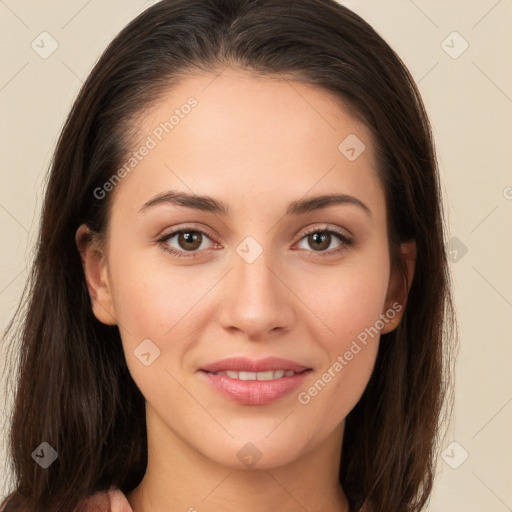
344, 234
186, 227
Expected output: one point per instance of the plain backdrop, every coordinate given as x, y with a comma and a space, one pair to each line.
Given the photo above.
459, 54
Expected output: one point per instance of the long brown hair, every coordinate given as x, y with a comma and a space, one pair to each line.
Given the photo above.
74, 390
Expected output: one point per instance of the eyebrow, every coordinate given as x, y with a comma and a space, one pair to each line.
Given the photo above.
209, 204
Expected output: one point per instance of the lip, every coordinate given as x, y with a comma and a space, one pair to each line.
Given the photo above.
244, 364
254, 392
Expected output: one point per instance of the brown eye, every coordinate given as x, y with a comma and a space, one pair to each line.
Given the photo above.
319, 240
183, 241
189, 240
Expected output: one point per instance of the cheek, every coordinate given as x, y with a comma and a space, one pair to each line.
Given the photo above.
347, 310
338, 388
150, 296
346, 299
151, 309
155, 301
350, 343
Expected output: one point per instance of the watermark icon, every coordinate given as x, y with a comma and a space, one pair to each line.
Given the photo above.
146, 352
456, 249
151, 142
455, 455
351, 147
507, 192
454, 45
249, 249
304, 397
45, 455
249, 454
44, 45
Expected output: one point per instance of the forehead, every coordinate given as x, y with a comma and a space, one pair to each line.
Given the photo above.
236, 103
245, 137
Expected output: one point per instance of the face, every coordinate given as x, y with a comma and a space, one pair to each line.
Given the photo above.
270, 275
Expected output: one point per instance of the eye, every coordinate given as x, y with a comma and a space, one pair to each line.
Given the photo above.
186, 240
321, 239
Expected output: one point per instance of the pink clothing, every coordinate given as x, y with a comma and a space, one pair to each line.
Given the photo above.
112, 500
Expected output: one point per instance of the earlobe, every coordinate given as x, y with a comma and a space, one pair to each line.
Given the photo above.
398, 289
96, 275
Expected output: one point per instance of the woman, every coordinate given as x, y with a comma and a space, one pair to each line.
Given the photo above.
240, 298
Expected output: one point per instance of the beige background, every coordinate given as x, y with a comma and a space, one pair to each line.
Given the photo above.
469, 100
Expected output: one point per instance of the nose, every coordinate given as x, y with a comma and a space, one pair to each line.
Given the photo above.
256, 299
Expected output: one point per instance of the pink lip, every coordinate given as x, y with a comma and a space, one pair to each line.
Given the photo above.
254, 392
244, 364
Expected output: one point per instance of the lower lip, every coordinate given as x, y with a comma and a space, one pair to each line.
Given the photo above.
254, 392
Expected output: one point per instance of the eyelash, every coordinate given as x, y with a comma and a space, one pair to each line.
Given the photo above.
346, 242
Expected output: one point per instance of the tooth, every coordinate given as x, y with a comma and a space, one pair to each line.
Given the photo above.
265, 375
247, 376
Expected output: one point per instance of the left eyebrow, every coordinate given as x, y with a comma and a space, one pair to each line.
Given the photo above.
209, 204
318, 202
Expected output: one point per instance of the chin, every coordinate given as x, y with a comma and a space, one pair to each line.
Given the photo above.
255, 452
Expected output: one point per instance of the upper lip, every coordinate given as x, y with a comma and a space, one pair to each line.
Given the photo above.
244, 364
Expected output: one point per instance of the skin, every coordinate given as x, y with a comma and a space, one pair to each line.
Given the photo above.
257, 144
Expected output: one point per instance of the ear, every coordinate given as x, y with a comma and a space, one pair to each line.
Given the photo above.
398, 289
94, 263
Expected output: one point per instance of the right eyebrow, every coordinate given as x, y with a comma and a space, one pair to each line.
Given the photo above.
204, 203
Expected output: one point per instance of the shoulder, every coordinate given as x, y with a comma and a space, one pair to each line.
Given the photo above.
112, 500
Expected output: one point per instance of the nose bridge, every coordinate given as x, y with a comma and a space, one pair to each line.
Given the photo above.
256, 301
